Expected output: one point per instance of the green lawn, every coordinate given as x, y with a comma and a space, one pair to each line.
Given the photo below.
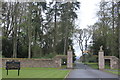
36, 73
114, 72
95, 65
0, 73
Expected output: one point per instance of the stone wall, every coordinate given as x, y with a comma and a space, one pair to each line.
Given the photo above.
53, 63
114, 61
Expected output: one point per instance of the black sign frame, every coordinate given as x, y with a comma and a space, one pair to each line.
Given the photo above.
12, 65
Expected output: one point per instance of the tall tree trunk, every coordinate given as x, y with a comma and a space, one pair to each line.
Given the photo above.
29, 40
29, 48
85, 44
65, 41
29, 31
118, 11
34, 51
113, 37
15, 32
66, 29
55, 27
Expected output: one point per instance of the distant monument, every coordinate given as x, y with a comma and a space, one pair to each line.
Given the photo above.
101, 58
69, 58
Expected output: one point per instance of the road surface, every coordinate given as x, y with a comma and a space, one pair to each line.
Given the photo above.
84, 72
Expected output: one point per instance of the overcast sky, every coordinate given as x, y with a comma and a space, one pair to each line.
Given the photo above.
86, 16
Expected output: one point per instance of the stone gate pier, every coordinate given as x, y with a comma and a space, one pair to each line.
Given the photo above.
69, 59
101, 59
114, 61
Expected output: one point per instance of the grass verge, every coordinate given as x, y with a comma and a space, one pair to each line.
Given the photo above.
36, 73
113, 72
95, 66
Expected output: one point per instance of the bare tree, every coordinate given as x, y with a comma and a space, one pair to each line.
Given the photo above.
83, 36
87, 33
80, 38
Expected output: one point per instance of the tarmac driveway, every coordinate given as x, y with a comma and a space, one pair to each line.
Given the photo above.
84, 72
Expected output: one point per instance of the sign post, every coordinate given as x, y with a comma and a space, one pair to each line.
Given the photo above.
13, 66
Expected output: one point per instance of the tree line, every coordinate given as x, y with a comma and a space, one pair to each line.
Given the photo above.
106, 29
105, 32
37, 29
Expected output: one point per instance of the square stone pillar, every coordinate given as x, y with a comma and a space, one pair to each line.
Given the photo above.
69, 59
101, 60
111, 64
